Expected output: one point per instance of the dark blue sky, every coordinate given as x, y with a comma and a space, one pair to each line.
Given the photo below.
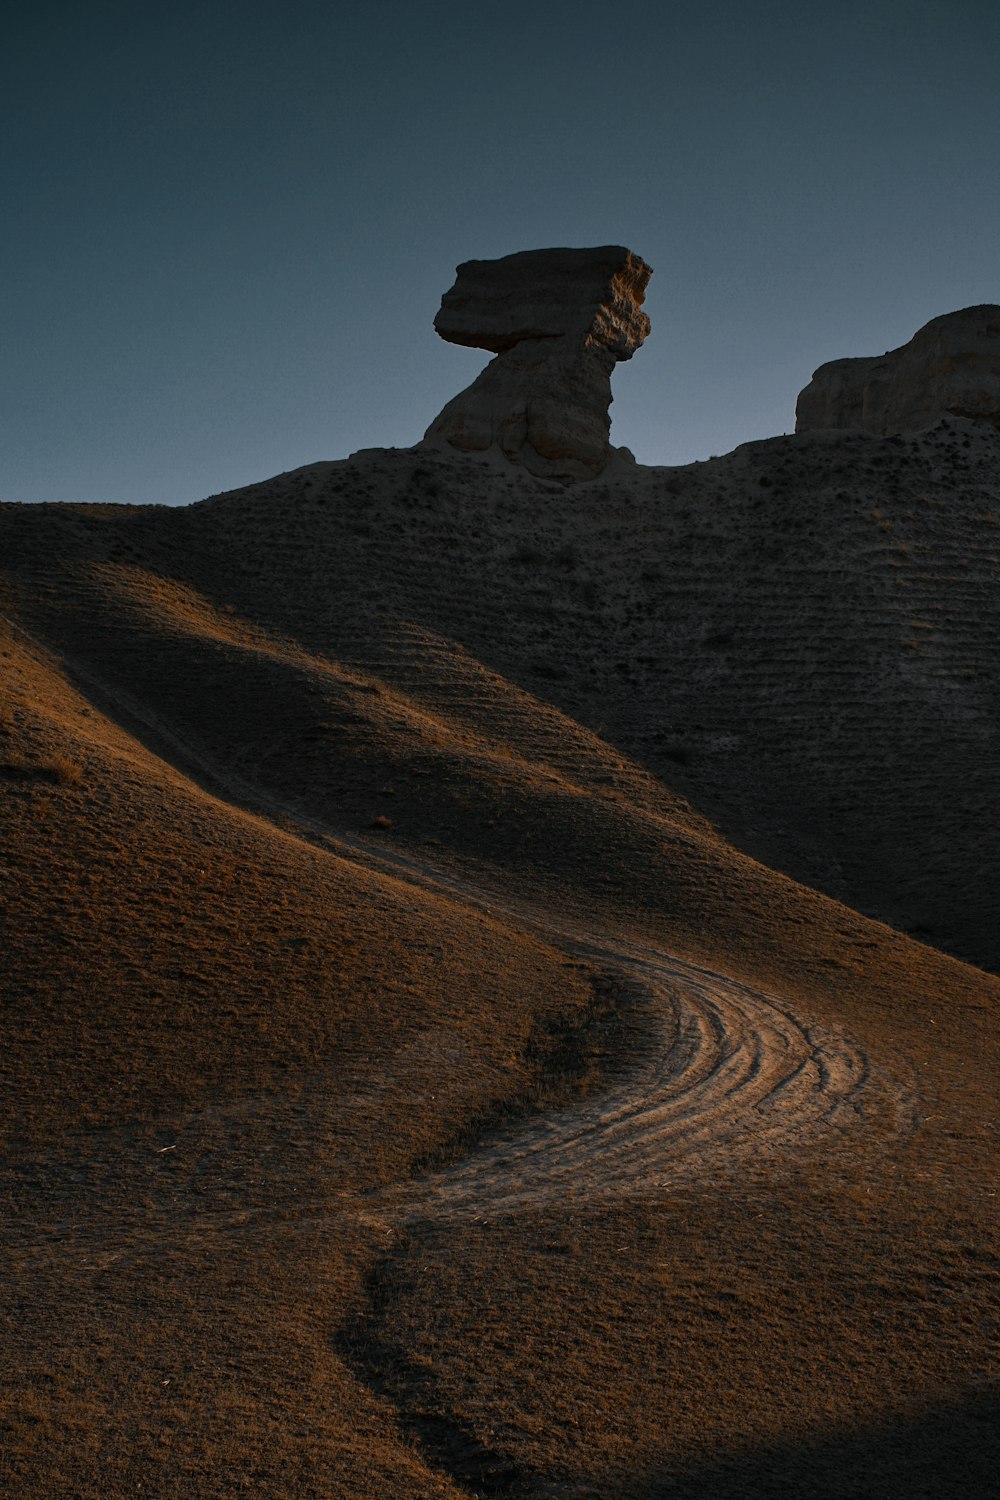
227, 227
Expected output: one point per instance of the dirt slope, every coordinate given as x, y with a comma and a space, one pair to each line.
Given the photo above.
435, 1061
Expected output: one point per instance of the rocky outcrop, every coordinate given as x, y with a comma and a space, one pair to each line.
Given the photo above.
951, 367
558, 321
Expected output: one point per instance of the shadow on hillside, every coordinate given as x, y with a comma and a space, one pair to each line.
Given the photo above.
948, 1450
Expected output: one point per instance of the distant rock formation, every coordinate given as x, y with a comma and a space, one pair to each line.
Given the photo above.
951, 367
558, 322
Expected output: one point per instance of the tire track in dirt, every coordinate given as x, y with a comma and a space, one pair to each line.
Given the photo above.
723, 1077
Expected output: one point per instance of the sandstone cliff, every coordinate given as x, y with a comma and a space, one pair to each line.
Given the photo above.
951, 367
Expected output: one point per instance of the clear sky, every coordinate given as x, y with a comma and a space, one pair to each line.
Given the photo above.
228, 226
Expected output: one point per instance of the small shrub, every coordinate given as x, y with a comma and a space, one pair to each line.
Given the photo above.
57, 768
63, 770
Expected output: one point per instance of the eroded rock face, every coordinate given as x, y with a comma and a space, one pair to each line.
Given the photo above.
558, 322
951, 367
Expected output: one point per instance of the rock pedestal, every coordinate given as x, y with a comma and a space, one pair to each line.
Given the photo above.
558, 321
951, 367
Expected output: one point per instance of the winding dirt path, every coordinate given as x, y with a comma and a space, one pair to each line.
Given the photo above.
724, 1075
721, 1074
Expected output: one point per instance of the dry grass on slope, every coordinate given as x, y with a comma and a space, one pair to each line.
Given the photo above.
241, 1017
212, 1033
789, 1335
480, 780
585, 836
795, 637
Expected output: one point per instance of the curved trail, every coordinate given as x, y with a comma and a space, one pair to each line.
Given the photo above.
724, 1076
721, 1074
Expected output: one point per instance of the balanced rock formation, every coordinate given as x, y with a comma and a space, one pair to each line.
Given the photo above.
951, 367
558, 322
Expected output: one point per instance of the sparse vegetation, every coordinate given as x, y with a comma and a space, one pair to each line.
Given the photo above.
251, 1046
60, 769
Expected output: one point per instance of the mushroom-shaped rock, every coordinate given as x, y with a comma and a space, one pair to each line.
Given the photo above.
951, 367
558, 321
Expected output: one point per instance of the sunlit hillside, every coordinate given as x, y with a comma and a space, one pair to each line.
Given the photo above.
499, 980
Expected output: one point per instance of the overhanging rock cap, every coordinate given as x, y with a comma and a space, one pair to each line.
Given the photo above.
539, 294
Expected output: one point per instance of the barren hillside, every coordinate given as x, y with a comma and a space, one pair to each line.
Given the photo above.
497, 979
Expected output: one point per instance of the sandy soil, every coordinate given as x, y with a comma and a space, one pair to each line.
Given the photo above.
489, 1000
